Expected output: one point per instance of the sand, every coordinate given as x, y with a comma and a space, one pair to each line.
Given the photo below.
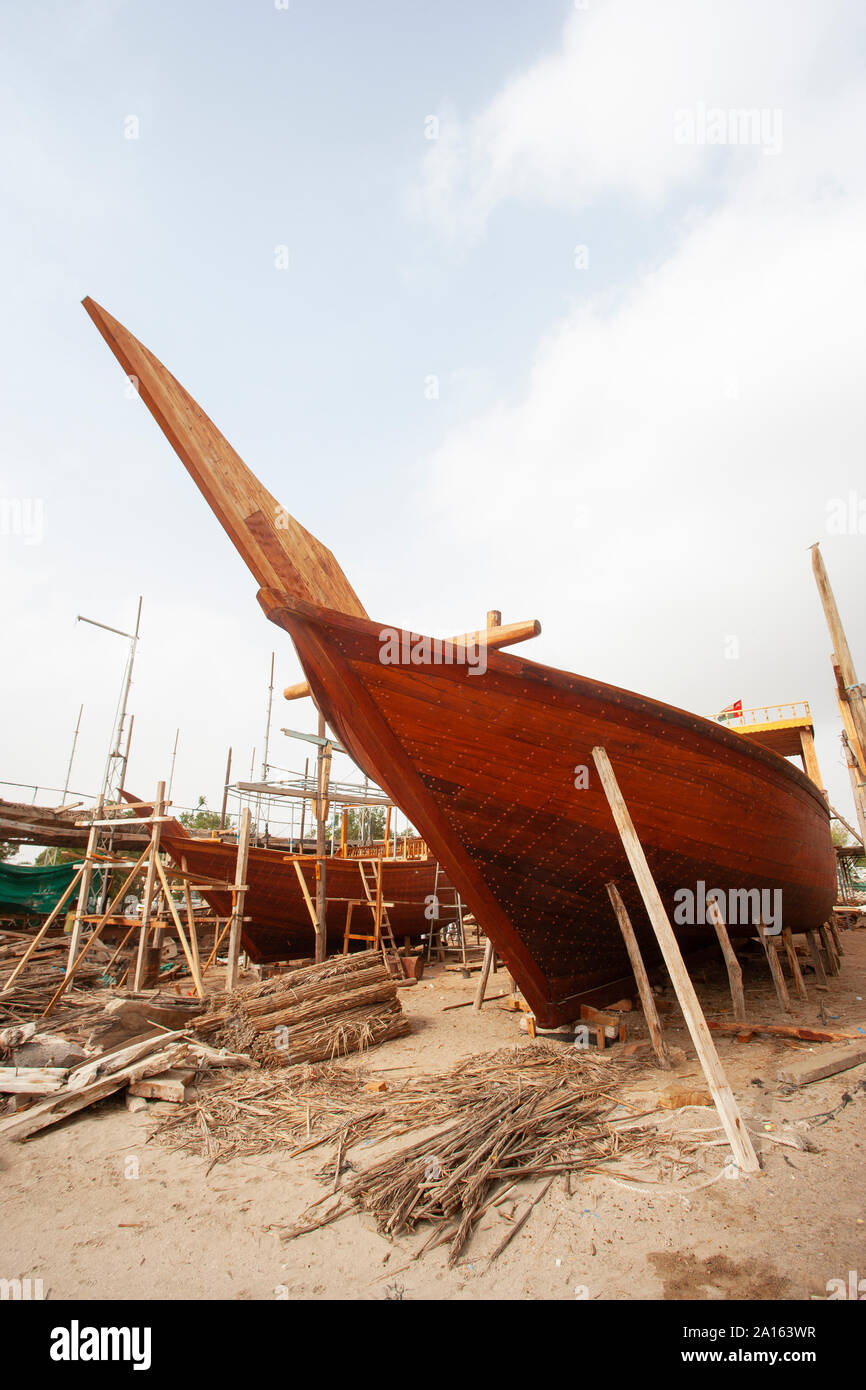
97, 1212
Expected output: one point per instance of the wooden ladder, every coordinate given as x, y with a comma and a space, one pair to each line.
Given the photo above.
383, 935
440, 922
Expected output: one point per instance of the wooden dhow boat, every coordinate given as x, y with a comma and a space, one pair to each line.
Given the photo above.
495, 768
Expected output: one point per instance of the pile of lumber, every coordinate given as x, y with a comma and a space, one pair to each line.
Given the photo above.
319, 1012
55, 1092
32, 990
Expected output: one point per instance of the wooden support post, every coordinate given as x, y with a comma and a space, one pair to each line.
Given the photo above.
815, 952
769, 944
849, 691
321, 809
644, 988
84, 890
72, 970
226, 790
44, 929
344, 825
856, 775
185, 945
190, 917
149, 884
735, 974
303, 806
729, 1114
852, 691
791, 953
388, 830
485, 972
307, 899
829, 950
219, 937
239, 892
377, 908
810, 758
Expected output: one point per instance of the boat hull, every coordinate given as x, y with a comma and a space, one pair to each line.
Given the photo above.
496, 772
280, 926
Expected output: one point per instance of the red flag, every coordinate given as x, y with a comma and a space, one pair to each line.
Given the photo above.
731, 711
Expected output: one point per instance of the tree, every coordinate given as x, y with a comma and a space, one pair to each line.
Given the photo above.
201, 819
374, 826
6, 849
47, 857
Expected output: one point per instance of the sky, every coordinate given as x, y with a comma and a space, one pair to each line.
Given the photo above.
554, 308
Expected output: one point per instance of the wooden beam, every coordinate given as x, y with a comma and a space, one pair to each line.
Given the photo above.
769, 944
149, 885
492, 637
72, 970
735, 974
858, 787
43, 930
483, 977
647, 998
499, 636
842, 821
299, 691
239, 893
321, 808
829, 950
226, 790
311, 907
191, 960
728, 1111
84, 890
810, 758
808, 1069
814, 941
794, 964
849, 689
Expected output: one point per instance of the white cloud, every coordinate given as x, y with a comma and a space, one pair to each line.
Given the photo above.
653, 487
598, 116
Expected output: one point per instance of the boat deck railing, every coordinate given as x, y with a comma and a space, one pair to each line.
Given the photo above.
794, 710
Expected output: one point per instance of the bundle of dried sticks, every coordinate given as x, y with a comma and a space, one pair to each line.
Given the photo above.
320, 1011
537, 1111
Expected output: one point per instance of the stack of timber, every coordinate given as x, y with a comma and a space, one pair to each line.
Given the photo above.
318, 1012
28, 996
53, 1093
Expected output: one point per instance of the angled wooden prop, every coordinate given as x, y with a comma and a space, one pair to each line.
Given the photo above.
728, 1110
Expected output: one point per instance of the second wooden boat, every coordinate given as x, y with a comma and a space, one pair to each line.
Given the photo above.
280, 926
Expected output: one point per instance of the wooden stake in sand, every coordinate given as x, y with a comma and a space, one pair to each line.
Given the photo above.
485, 973
726, 1105
648, 1003
239, 892
735, 974
768, 941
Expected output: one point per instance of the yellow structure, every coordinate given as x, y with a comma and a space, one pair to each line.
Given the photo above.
785, 729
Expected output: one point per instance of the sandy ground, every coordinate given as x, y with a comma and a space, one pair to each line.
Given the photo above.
97, 1212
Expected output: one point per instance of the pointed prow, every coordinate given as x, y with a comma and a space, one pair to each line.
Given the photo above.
281, 554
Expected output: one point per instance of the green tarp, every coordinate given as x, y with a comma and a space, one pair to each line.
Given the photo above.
28, 888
